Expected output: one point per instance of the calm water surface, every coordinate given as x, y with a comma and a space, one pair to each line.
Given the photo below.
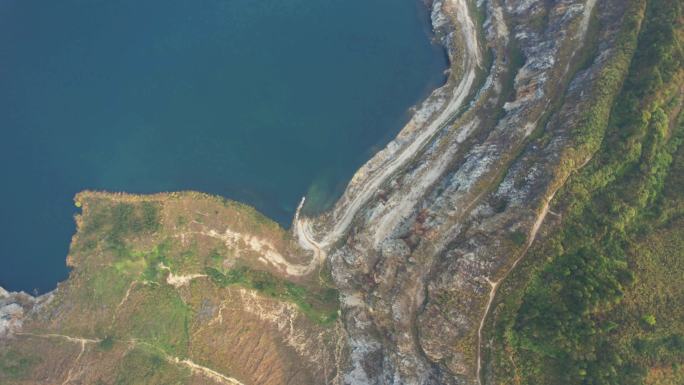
259, 101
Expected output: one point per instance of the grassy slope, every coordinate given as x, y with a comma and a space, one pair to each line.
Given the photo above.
600, 301
125, 247
114, 222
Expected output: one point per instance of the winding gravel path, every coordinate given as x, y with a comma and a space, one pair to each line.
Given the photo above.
472, 60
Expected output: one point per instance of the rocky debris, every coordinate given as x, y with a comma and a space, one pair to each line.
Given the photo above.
14, 307
423, 257
431, 225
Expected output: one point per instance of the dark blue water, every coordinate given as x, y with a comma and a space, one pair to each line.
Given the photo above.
259, 101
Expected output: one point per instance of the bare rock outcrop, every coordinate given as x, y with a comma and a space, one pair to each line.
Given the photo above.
419, 257
15, 306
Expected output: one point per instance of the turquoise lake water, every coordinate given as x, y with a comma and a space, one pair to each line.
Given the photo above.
259, 101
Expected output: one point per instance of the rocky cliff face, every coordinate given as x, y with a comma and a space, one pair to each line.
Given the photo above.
185, 288
420, 263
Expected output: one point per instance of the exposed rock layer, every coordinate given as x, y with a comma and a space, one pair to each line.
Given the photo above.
420, 262
417, 245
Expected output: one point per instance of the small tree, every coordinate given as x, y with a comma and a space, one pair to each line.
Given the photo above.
649, 320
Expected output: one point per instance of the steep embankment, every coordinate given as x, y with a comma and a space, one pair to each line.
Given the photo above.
525, 178
429, 229
599, 300
420, 261
431, 116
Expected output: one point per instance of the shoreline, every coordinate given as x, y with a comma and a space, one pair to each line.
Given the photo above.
430, 105
429, 118
53, 248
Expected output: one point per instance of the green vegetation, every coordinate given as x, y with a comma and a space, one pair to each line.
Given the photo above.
519, 238
577, 318
162, 321
120, 221
15, 365
592, 126
649, 320
146, 264
106, 286
154, 260
140, 366
121, 234
320, 305
106, 343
